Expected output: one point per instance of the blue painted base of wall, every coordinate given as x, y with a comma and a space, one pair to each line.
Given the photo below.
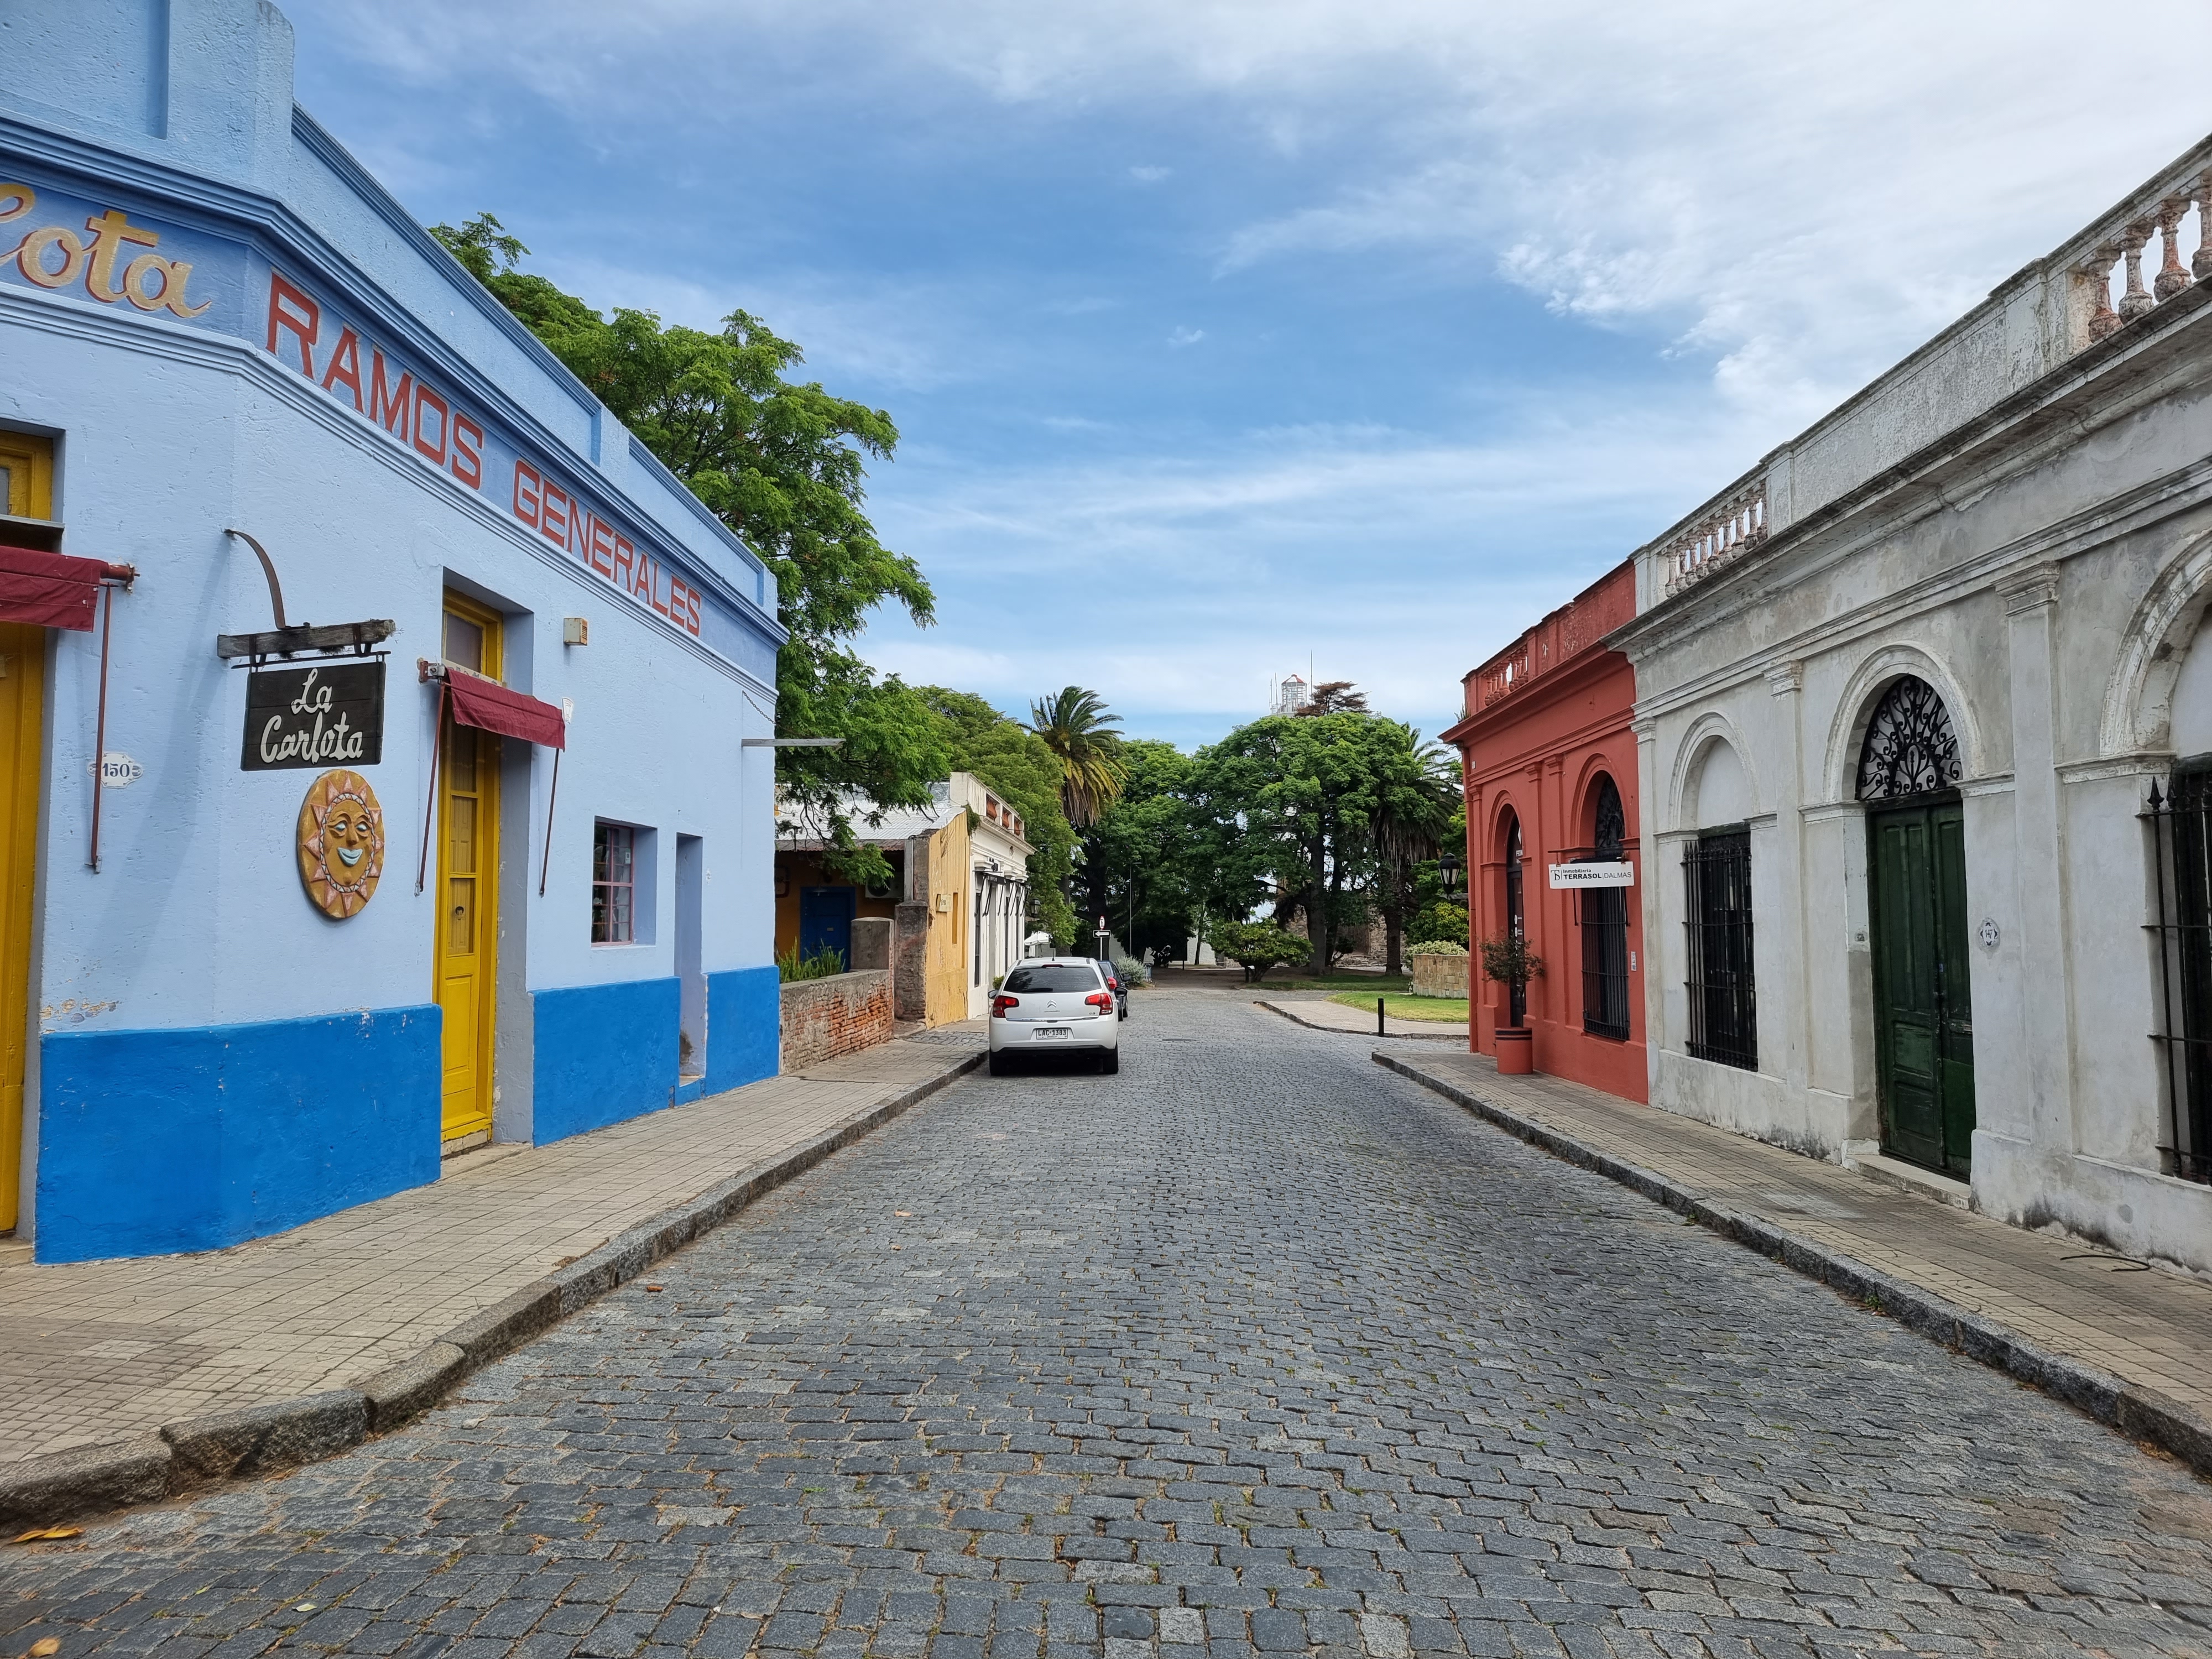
151, 1142
605, 1052
608, 1053
744, 1027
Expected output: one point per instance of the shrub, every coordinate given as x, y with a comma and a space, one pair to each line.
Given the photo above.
823, 964
1508, 960
1436, 947
1258, 945
1442, 921
1133, 972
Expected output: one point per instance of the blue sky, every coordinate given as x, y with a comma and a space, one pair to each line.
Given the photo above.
1227, 337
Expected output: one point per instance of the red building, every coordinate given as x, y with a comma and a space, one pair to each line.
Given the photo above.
1550, 781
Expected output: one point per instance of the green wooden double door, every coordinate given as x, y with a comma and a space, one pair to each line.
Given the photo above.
1923, 998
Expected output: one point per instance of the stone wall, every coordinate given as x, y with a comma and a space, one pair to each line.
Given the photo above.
910, 961
824, 1018
1439, 976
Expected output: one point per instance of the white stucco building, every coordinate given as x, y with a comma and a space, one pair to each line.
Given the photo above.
1906, 694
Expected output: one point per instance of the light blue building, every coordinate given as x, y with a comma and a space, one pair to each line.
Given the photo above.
310, 961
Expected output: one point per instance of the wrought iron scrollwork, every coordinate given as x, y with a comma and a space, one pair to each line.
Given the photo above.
1612, 826
1910, 747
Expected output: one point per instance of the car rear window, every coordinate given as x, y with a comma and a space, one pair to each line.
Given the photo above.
1052, 977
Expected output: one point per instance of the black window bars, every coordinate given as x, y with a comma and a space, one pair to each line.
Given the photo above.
2180, 822
1724, 1005
1602, 913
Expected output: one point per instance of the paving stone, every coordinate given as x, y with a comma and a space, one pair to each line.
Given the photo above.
1264, 1287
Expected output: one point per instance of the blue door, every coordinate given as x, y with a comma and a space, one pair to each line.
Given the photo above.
825, 922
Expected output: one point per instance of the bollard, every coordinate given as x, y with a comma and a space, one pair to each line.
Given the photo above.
1378, 1017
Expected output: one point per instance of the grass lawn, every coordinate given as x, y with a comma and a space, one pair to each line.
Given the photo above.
1445, 1011
1375, 985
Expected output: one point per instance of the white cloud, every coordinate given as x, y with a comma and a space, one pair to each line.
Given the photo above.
1800, 192
1150, 176
1184, 583
1185, 337
1783, 199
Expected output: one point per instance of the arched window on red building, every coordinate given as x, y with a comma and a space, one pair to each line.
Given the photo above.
1603, 913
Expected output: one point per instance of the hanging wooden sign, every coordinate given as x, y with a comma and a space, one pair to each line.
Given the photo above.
341, 839
331, 713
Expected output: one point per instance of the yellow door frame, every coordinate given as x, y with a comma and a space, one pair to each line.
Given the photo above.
469, 912
28, 464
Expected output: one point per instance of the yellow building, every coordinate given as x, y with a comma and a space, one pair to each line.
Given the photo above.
958, 895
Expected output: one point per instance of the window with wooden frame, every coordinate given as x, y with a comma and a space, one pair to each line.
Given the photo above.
27, 477
614, 883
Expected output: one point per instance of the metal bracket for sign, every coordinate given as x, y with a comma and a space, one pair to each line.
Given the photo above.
352, 642
288, 639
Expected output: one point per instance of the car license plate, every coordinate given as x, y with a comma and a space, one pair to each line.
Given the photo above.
1050, 1033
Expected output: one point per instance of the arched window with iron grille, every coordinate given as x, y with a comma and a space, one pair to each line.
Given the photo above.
1603, 913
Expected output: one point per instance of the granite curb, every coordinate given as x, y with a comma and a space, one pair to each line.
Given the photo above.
1453, 1034
2141, 1414
199, 1451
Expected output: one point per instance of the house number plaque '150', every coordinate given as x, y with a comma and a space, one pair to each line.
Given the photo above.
330, 715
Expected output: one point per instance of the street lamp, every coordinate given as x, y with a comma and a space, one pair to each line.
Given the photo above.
1448, 872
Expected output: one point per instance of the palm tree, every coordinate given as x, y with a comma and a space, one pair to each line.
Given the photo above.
1073, 726
1408, 821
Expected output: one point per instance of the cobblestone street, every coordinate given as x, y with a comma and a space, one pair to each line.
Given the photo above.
1253, 1348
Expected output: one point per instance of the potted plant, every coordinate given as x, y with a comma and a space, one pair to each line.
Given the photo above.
1508, 961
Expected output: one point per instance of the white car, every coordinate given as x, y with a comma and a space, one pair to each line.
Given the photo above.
1051, 1005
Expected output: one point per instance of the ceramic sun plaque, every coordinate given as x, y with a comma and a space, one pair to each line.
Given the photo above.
341, 843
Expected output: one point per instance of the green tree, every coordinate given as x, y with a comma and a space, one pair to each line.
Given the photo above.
1297, 797
1074, 727
1412, 817
1140, 855
783, 464
1015, 762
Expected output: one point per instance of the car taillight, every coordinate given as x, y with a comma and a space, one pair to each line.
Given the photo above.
1000, 1005
1099, 999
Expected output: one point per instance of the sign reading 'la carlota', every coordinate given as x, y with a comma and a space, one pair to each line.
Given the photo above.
327, 715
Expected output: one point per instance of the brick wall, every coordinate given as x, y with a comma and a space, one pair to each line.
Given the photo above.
835, 1016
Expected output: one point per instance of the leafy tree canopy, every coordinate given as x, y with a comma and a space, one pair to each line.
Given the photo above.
1298, 799
1144, 862
1074, 725
783, 464
1015, 762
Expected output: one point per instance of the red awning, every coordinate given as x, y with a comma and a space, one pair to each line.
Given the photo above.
492, 708
48, 590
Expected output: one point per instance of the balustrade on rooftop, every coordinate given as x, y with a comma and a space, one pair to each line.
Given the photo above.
1575, 627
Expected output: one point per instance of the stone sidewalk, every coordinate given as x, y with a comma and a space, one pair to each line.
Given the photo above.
2130, 1343
95, 1352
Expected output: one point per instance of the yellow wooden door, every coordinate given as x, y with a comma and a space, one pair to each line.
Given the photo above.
25, 490
468, 883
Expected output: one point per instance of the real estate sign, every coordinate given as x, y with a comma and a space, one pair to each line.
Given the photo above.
1593, 875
